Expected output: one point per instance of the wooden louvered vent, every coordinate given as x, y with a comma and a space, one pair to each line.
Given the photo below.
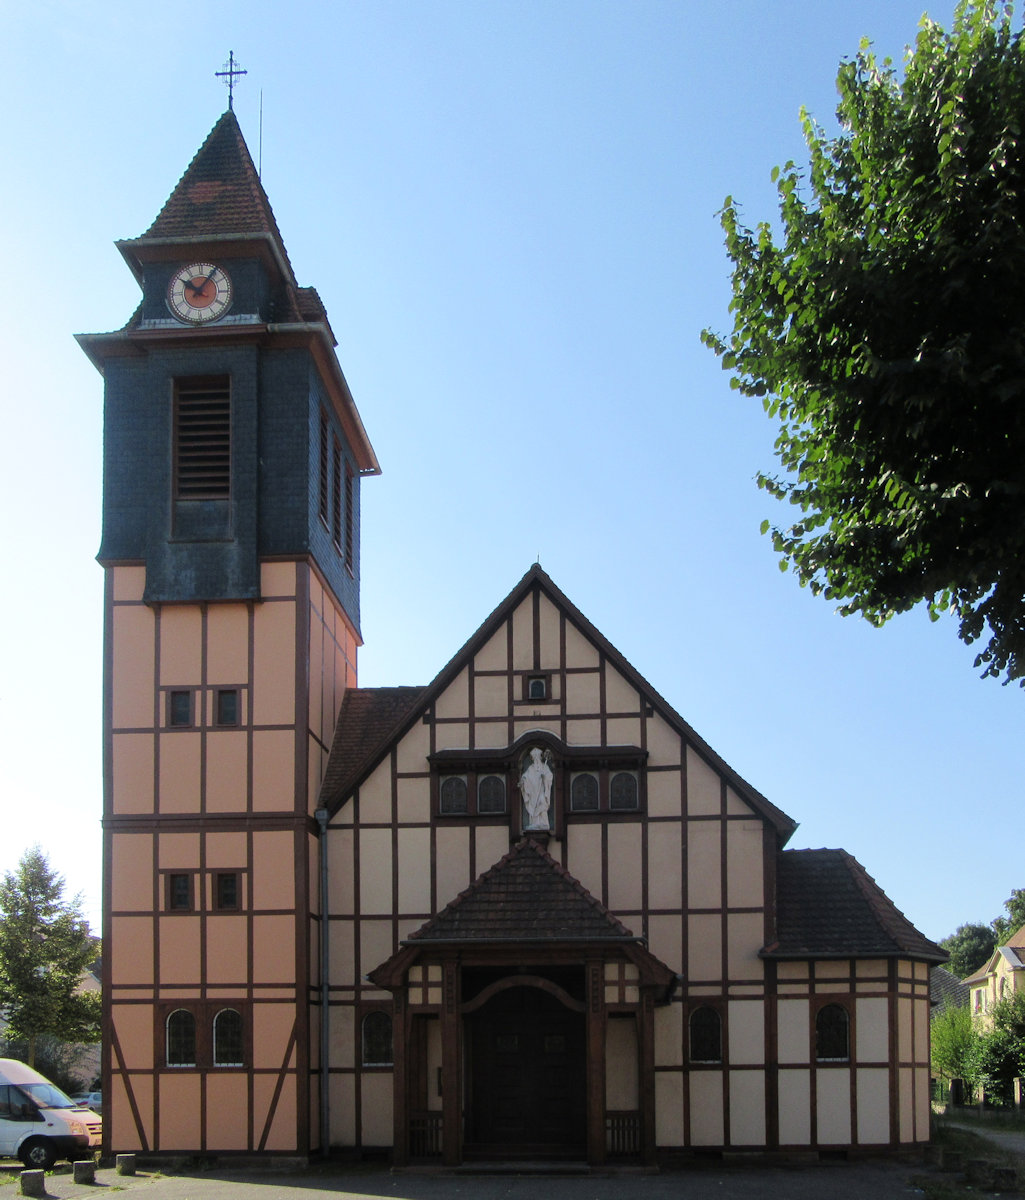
202, 440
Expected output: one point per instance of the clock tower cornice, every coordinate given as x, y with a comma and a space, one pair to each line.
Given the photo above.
137, 252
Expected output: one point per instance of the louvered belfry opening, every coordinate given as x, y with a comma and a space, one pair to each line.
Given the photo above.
202, 439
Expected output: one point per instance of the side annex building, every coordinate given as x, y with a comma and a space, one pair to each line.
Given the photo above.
522, 911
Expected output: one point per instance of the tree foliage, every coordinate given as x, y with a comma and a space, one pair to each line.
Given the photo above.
952, 1044
1005, 926
45, 946
884, 330
969, 947
998, 1055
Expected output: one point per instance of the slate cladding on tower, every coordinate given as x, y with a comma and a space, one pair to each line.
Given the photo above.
272, 356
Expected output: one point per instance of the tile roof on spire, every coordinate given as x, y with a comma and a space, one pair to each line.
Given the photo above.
219, 194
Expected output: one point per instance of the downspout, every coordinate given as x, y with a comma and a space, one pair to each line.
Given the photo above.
321, 816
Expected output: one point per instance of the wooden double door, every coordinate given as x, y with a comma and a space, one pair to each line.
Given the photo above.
526, 1077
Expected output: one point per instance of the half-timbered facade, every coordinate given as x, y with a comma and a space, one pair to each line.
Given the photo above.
522, 911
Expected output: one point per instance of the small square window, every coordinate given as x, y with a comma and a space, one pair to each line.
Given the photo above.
226, 890
179, 892
179, 708
227, 706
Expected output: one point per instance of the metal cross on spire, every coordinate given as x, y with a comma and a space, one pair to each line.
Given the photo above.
228, 74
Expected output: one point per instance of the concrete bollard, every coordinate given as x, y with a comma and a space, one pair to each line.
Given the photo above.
1005, 1179
953, 1160
84, 1171
33, 1183
125, 1164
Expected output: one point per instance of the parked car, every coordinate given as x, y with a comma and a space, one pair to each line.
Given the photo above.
93, 1100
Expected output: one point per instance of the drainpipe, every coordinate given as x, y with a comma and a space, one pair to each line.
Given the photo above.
321, 816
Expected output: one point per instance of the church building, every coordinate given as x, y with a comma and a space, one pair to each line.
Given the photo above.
523, 911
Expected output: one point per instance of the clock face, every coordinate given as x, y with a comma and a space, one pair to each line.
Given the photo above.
199, 292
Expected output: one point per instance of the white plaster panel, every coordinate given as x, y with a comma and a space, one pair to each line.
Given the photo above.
745, 937
833, 1107
664, 866
453, 863
747, 1108
794, 1108
744, 884
706, 1108
703, 792
921, 1017
454, 701
375, 795
375, 871
923, 1108
528, 724
340, 870
492, 655
551, 651
664, 797
704, 864
491, 695
873, 1106
625, 874
414, 870
492, 843
583, 693
905, 1083
342, 1037
746, 1032
669, 1035
705, 946
792, 1031
412, 751
620, 696
491, 735
665, 937
376, 944
583, 733
342, 949
669, 1108
580, 650
735, 807
583, 856
452, 737
414, 800
523, 635
904, 1043
343, 1110
621, 1077
665, 748
872, 1029
623, 731
378, 1129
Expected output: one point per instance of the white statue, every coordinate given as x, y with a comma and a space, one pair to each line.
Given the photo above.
536, 788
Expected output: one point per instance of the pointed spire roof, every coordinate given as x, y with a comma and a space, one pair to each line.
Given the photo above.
219, 198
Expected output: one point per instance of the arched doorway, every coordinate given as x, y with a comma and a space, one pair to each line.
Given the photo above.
526, 1076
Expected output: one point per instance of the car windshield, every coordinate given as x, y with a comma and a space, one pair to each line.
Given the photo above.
46, 1095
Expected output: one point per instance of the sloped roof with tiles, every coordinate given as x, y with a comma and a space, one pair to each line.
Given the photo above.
525, 897
828, 906
366, 720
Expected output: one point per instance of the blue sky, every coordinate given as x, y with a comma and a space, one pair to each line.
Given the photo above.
509, 210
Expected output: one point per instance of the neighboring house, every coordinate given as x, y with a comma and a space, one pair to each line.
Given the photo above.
1002, 975
524, 910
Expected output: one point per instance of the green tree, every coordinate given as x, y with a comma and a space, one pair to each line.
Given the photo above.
884, 330
998, 1056
969, 947
953, 1038
45, 946
1005, 926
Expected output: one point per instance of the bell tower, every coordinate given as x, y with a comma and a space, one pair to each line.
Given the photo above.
233, 456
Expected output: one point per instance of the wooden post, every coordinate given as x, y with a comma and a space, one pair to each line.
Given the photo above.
400, 1089
451, 1067
595, 1062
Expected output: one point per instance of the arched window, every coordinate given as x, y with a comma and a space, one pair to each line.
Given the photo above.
228, 1038
583, 796
377, 1050
491, 794
623, 792
705, 1035
181, 1039
832, 1034
453, 794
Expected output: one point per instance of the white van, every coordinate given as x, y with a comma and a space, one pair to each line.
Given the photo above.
38, 1123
